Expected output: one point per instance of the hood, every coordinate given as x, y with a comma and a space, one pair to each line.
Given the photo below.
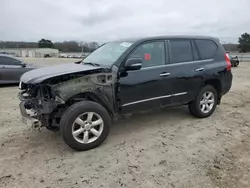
40, 74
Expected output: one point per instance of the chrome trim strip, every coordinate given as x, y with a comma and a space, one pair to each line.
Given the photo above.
155, 98
177, 94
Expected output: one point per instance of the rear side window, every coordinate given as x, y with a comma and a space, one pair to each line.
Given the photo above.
207, 48
181, 51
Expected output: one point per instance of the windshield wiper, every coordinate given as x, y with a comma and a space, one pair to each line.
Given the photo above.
93, 64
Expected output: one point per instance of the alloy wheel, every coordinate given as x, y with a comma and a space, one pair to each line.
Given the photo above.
87, 127
207, 102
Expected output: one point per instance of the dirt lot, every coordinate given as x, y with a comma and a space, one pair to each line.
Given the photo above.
164, 148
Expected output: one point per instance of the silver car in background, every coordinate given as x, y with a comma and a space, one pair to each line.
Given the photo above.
12, 69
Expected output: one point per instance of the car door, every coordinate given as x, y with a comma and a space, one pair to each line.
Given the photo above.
10, 70
146, 88
186, 70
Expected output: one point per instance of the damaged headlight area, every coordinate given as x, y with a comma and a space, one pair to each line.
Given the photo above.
38, 102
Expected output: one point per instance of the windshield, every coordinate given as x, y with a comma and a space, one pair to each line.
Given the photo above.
108, 53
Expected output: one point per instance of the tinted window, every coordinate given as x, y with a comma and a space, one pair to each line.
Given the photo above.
181, 51
207, 48
152, 53
9, 61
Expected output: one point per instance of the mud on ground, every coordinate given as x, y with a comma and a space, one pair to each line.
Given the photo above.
163, 148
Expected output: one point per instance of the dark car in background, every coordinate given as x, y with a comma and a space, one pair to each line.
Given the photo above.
12, 69
234, 60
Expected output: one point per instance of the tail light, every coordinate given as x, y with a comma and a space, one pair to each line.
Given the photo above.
228, 62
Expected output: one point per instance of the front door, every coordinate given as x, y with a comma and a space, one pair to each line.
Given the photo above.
146, 88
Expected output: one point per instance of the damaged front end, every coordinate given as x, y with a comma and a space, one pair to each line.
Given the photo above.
37, 103
45, 102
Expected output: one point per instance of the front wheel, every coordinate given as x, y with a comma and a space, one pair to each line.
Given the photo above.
85, 125
204, 103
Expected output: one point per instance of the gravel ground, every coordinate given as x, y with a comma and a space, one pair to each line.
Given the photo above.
163, 148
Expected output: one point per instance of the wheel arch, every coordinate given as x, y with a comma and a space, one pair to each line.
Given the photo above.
216, 83
91, 96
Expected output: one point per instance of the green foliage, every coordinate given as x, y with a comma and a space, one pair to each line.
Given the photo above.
244, 43
73, 46
66, 46
43, 43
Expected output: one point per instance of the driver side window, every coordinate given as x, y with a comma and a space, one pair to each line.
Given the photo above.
152, 53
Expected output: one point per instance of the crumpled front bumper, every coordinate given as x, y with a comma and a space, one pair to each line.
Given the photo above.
27, 118
24, 111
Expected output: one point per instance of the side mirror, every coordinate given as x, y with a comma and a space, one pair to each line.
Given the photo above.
133, 64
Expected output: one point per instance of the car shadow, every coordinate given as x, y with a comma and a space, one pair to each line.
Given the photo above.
8, 85
121, 127
148, 119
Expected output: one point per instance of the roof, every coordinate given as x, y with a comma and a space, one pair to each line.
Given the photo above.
168, 37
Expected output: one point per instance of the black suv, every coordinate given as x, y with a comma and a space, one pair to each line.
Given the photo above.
123, 77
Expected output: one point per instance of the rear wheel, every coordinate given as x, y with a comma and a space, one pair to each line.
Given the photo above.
85, 125
204, 103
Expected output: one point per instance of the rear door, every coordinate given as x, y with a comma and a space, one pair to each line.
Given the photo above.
185, 70
10, 70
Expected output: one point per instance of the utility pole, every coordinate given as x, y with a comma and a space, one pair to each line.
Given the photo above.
81, 44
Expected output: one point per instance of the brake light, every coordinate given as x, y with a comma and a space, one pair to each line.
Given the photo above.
228, 62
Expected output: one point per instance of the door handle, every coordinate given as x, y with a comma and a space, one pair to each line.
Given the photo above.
199, 70
164, 74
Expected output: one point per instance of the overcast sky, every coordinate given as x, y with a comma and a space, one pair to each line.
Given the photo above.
103, 20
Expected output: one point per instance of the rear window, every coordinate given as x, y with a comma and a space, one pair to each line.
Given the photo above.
207, 48
181, 51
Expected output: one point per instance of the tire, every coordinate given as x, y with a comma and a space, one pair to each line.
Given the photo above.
197, 105
237, 64
82, 110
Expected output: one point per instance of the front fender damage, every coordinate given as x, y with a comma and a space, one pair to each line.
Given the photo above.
99, 86
91, 83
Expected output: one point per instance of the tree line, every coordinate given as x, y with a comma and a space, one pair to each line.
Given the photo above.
73, 46
242, 46
66, 46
